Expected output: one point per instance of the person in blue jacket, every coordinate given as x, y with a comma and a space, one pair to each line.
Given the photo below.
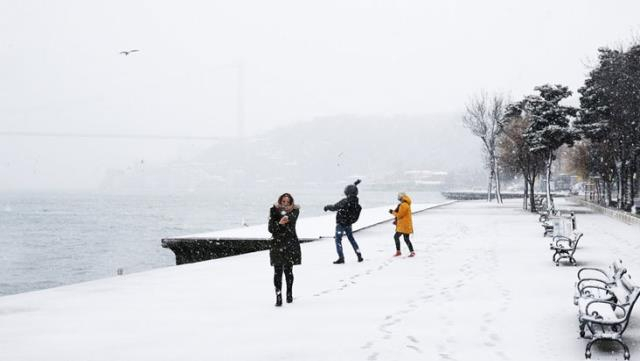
344, 219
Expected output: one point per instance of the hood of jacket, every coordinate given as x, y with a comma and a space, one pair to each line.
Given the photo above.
405, 198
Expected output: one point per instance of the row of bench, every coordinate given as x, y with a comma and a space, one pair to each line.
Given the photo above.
565, 235
605, 298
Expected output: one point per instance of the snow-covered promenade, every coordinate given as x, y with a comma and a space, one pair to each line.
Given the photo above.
482, 287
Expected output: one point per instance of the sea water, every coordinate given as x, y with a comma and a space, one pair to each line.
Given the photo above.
50, 239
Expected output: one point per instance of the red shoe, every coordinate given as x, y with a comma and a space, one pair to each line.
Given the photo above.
397, 254
412, 254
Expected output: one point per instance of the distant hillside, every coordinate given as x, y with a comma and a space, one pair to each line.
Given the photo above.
324, 150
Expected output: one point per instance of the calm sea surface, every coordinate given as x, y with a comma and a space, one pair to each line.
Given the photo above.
53, 239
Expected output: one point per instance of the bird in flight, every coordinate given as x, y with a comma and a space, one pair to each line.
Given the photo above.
127, 52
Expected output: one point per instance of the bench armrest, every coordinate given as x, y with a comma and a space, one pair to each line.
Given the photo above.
595, 317
587, 291
562, 243
586, 282
586, 269
561, 238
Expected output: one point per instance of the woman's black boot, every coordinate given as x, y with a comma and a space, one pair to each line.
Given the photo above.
289, 295
278, 298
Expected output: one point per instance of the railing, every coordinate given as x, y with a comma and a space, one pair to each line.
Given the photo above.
626, 217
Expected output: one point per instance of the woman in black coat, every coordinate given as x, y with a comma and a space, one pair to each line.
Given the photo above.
285, 246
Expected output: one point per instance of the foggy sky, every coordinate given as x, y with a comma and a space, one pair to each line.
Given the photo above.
61, 70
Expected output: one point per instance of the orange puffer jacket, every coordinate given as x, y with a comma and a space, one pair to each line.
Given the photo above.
404, 222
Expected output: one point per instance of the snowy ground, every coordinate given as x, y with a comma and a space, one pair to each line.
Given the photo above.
482, 287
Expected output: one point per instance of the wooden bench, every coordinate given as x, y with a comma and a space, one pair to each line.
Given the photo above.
564, 247
595, 282
606, 320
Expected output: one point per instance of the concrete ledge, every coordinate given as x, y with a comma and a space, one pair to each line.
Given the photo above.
197, 250
206, 246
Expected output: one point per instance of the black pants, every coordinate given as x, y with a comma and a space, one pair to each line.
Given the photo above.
288, 275
396, 237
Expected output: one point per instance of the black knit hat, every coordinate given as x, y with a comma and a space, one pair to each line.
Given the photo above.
352, 189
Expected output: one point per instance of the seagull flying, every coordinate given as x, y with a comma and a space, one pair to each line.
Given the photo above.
127, 52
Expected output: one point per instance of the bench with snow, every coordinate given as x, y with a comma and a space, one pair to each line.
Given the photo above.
607, 318
595, 282
544, 212
559, 224
547, 225
544, 215
564, 247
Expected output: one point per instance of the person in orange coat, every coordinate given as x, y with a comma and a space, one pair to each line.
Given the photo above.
403, 222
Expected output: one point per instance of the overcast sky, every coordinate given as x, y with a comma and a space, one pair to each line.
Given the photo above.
61, 71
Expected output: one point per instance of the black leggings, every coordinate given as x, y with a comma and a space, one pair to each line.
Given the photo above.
277, 276
396, 237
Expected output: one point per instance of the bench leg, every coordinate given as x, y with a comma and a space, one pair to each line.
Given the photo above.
582, 326
587, 351
626, 349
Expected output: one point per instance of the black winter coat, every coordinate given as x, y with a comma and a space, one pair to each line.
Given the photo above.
342, 208
285, 246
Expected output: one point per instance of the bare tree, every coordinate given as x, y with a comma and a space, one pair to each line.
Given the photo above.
483, 117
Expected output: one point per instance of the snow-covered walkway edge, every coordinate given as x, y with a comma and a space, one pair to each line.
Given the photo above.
482, 287
312, 227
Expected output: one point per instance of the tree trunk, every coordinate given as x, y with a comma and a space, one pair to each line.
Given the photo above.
619, 195
497, 172
629, 186
634, 185
599, 192
490, 187
549, 200
524, 196
532, 194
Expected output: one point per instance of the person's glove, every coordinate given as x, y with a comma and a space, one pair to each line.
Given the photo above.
326, 208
